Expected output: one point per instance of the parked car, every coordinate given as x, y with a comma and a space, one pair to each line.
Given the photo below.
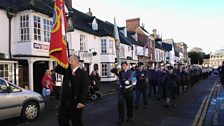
16, 101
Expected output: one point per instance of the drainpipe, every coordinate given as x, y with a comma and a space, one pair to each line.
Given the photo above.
10, 15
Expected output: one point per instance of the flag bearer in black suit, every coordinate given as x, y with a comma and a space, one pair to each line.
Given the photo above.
74, 93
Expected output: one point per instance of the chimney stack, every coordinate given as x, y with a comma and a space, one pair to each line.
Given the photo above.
89, 13
154, 31
131, 24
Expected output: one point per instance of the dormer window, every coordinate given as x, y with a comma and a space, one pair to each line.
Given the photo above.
94, 25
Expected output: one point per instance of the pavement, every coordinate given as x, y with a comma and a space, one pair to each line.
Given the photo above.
103, 112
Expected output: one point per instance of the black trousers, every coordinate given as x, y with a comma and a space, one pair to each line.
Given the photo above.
67, 114
125, 96
139, 91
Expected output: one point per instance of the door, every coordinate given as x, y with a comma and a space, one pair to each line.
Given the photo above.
9, 106
38, 72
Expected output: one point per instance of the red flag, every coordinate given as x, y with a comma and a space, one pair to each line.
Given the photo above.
58, 43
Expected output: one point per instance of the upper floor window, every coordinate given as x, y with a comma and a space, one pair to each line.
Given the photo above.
122, 52
111, 46
47, 30
24, 28
103, 46
129, 48
82, 42
150, 43
136, 50
37, 28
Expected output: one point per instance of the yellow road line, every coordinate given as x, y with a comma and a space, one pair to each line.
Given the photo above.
200, 116
199, 112
201, 121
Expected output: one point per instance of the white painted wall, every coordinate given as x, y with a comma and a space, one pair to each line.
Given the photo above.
4, 33
27, 47
159, 55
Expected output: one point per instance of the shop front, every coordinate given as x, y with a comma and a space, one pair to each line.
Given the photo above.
9, 70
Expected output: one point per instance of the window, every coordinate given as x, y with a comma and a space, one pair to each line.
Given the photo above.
6, 72
122, 52
129, 48
3, 86
47, 30
111, 46
103, 46
37, 27
136, 50
150, 43
82, 42
24, 28
104, 70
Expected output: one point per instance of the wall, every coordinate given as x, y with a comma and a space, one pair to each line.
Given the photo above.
4, 33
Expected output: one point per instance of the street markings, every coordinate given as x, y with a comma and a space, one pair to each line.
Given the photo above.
201, 114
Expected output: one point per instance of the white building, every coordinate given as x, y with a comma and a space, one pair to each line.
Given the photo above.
168, 44
26, 60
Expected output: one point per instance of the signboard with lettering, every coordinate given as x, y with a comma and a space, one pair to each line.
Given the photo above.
40, 46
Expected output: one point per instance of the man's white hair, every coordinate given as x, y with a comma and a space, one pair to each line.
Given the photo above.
75, 57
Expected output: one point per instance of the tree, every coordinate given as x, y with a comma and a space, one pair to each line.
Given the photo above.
196, 57
207, 56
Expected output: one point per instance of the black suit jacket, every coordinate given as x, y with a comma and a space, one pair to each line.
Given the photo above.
77, 91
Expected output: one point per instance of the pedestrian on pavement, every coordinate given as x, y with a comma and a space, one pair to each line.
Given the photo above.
141, 85
94, 87
47, 88
125, 93
95, 80
47, 84
74, 93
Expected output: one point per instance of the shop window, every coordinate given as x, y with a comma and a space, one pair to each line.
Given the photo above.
6, 72
104, 70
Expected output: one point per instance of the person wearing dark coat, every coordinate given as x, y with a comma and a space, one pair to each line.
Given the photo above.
74, 93
170, 87
178, 79
160, 79
222, 73
151, 81
95, 80
141, 85
125, 93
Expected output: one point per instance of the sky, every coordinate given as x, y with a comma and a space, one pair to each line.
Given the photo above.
198, 23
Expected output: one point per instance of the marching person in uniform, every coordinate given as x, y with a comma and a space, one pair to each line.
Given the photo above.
125, 93
74, 93
141, 86
170, 87
151, 81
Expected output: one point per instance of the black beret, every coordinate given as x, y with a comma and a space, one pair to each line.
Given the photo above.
125, 62
140, 64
